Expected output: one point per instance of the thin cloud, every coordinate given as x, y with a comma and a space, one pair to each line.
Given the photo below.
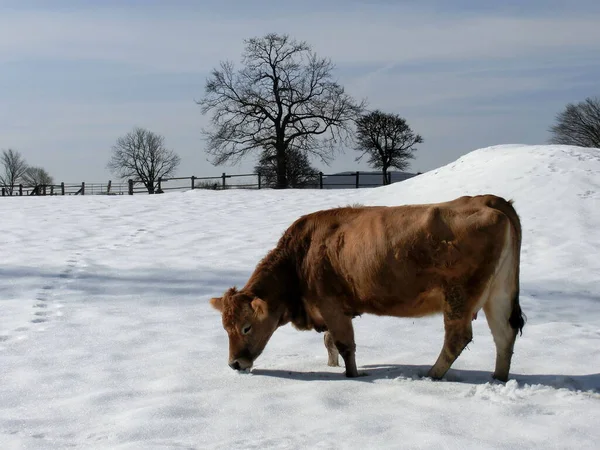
196, 42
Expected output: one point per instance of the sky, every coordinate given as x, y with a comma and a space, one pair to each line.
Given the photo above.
76, 75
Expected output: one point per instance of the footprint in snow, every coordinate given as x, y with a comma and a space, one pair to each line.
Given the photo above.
41, 315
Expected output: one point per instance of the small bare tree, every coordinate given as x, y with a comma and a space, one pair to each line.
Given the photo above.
142, 155
14, 169
578, 124
387, 140
284, 97
37, 177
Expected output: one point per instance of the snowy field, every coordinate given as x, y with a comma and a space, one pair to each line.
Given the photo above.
107, 339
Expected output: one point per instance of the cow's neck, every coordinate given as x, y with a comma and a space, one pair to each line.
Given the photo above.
275, 281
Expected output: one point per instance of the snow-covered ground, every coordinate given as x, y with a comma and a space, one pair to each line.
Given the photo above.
107, 339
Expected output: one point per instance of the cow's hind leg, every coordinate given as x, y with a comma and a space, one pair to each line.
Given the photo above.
498, 314
458, 331
342, 333
333, 354
502, 310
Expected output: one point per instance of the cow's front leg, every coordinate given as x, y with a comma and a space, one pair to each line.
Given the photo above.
333, 359
342, 334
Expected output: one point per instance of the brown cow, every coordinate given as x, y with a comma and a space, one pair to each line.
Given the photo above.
407, 261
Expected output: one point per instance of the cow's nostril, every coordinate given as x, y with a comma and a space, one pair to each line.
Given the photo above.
235, 365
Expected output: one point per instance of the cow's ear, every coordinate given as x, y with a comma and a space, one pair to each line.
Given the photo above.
260, 308
231, 291
217, 303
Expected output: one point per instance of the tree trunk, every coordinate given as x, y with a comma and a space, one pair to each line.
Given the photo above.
282, 181
385, 175
150, 187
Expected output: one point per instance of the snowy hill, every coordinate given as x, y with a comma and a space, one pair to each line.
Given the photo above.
107, 339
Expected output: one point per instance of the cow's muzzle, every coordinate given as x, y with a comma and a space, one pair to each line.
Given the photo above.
240, 364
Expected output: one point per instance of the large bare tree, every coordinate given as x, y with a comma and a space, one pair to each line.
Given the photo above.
14, 169
578, 124
142, 155
387, 140
284, 97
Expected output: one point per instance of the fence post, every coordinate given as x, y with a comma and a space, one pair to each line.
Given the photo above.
320, 180
20, 190
3, 192
52, 189
62, 188
193, 182
44, 189
83, 188
223, 176
130, 183
159, 187
259, 179
108, 186
357, 179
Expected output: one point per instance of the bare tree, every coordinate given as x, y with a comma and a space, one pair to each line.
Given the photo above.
36, 177
578, 124
14, 169
284, 97
387, 140
141, 154
299, 172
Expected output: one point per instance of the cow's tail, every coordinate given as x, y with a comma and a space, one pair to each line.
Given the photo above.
517, 318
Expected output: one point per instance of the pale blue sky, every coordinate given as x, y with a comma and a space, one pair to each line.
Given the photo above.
75, 75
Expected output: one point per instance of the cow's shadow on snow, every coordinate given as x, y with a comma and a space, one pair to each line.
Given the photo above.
371, 373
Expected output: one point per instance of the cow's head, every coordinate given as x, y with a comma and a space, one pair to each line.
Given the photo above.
249, 324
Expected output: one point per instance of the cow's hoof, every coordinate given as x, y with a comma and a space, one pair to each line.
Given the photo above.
434, 376
356, 375
500, 377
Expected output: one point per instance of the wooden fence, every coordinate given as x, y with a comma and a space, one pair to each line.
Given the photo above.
257, 181
224, 181
65, 189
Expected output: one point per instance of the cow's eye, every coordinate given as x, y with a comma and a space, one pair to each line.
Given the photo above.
246, 329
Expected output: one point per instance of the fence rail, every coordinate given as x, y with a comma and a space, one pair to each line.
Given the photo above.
258, 181
224, 181
64, 189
